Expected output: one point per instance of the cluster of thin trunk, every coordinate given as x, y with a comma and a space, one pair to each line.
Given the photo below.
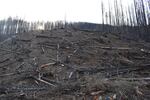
17, 25
135, 13
132, 17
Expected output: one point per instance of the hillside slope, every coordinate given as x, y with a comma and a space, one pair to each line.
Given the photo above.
74, 65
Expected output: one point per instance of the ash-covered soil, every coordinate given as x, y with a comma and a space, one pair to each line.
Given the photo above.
74, 65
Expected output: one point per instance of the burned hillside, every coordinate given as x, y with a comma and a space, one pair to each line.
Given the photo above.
69, 64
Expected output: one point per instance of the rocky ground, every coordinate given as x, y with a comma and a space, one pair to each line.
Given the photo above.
74, 65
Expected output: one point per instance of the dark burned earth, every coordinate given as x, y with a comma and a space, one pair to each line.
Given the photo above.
74, 65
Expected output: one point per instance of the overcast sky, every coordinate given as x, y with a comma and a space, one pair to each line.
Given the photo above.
52, 10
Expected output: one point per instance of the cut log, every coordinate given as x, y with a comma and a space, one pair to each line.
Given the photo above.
46, 65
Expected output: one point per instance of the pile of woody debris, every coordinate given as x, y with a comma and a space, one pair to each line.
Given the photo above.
74, 65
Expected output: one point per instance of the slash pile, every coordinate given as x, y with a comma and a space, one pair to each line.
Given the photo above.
74, 65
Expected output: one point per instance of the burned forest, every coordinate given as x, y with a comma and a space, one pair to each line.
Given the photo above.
62, 60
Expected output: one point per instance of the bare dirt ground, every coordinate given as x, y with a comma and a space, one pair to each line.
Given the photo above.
74, 65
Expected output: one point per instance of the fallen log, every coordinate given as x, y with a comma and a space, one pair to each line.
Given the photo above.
43, 50
109, 48
15, 89
43, 81
57, 56
10, 51
43, 36
18, 72
23, 40
6, 90
5, 53
4, 60
47, 46
97, 92
112, 71
46, 65
50, 81
9, 74
131, 79
8, 64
